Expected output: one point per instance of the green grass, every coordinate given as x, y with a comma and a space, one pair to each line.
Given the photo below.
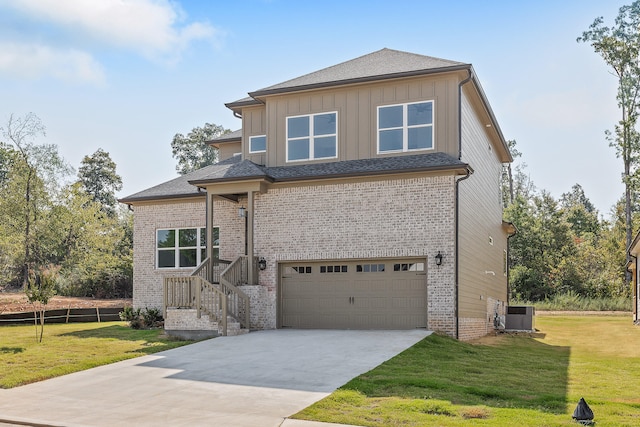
501, 381
72, 347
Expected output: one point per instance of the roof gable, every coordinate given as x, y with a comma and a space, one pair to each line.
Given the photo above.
380, 65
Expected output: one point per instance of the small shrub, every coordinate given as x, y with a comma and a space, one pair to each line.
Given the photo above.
129, 313
139, 319
137, 323
151, 316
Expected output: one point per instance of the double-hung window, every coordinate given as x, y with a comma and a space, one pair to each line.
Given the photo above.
184, 247
405, 127
258, 144
312, 137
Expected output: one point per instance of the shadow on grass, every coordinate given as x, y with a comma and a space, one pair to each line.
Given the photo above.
514, 371
14, 350
154, 339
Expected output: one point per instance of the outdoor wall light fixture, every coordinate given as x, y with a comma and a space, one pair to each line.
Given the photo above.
439, 258
262, 263
242, 212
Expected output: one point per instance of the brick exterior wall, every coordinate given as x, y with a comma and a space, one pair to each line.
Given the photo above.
147, 218
182, 319
473, 327
392, 218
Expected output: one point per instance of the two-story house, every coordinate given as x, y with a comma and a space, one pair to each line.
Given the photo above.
367, 195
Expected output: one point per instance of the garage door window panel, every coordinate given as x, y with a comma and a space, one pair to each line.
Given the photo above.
334, 269
413, 266
370, 268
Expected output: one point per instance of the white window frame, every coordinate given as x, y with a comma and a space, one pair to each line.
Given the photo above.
405, 128
251, 138
176, 247
311, 136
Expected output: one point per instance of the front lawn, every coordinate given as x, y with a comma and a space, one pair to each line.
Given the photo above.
501, 381
72, 347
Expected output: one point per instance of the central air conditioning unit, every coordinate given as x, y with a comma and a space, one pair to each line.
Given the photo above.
520, 318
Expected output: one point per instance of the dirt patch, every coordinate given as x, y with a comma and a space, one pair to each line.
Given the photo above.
16, 302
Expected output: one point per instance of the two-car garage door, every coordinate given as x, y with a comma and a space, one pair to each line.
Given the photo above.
366, 294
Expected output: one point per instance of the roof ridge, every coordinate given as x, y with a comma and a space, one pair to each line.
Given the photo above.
379, 65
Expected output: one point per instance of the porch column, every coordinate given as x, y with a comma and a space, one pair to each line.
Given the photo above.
249, 238
209, 226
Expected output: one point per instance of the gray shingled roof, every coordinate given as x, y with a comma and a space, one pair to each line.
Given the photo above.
227, 137
234, 169
180, 187
382, 165
379, 65
384, 63
245, 169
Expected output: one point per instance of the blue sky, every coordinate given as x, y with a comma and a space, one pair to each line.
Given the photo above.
126, 75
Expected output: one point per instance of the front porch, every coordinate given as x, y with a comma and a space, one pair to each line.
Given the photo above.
210, 301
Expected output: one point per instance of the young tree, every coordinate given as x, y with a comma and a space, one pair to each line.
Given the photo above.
619, 46
41, 288
192, 151
98, 176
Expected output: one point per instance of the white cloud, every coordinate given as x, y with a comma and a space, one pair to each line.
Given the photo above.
34, 60
149, 27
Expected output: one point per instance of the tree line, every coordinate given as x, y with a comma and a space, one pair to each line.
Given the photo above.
52, 222
563, 246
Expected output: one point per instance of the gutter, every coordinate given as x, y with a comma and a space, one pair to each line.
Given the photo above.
130, 200
457, 213
634, 292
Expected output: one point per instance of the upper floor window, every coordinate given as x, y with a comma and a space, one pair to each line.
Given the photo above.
258, 144
184, 247
311, 137
405, 127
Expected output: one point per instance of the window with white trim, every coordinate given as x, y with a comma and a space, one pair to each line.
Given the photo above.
405, 127
258, 144
313, 136
184, 247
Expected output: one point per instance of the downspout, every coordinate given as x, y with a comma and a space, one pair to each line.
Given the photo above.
457, 264
634, 292
457, 221
462, 83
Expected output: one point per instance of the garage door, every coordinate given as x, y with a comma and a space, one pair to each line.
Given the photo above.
367, 294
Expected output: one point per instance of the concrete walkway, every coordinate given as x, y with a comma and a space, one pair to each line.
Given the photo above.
258, 379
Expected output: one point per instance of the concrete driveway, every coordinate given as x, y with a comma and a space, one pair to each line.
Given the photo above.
258, 379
